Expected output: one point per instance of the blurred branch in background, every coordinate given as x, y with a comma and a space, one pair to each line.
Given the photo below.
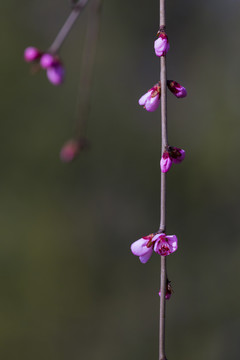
72, 147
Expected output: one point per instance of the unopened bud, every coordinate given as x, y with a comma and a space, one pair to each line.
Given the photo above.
161, 45
31, 53
71, 149
178, 90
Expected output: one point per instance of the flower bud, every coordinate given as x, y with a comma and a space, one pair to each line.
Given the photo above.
71, 149
31, 53
165, 162
178, 90
161, 45
55, 74
151, 99
177, 155
47, 60
171, 155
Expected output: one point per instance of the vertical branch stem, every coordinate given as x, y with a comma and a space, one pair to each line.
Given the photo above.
162, 228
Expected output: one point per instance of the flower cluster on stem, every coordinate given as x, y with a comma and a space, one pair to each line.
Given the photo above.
151, 100
160, 243
51, 63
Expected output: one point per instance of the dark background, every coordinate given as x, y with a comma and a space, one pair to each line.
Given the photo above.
70, 287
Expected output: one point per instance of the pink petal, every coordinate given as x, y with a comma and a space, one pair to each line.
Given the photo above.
146, 257
55, 74
144, 98
161, 46
157, 236
181, 92
180, 158
152, 103
173, 242
165, 162
139, 247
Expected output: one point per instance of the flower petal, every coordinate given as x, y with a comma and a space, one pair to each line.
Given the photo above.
161, 46
173, 242
157, 236
139, 248
165, 162
55, 74
146, 257
180, 157
144, 98
152, 103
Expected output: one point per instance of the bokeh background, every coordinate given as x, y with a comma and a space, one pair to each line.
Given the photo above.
70, 287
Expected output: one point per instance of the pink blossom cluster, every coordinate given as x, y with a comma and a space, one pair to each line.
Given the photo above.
171, 155
151, 100
49, 62
161, 243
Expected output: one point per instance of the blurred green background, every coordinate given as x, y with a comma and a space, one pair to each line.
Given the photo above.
70, 287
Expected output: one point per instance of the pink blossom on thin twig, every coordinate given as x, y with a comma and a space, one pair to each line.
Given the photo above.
151, 100
178, 90
161, 45
171, 155
165, 244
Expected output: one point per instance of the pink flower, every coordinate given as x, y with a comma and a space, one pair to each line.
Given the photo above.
178, 90
171, 155
55, 74
143, 248
165, 162
177, 155
165, 244
151, 99
31, 53
161, 45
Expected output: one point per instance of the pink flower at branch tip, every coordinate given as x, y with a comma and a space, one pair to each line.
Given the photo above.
151, 100
161, 45
165, 244
171, 155
178, 90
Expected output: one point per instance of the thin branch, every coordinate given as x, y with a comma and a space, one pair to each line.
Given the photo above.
87, 67
162, 228
67, 26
